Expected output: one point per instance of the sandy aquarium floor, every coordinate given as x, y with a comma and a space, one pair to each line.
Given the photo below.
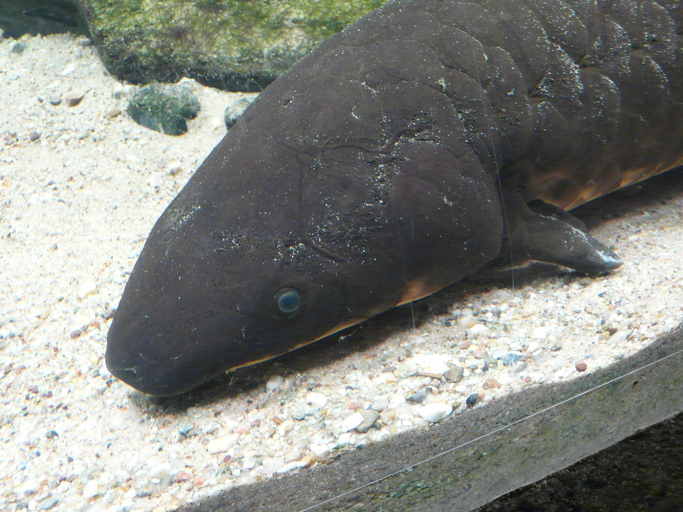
80, 187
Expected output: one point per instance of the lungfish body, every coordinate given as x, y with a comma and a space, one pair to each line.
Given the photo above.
418, 145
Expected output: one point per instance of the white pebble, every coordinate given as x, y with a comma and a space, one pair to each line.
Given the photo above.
540, 333
427, 365
291, 466
351, 422
435, 412
68, 69
274, 383
222, 444
316, 399
477, 330
91, 489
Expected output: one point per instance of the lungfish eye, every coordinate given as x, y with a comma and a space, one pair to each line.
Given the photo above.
288, 301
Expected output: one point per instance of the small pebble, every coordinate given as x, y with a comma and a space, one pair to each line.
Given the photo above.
48, 503
302, 411
454, 374
427, 365
511, 358
491, 384
379, 404
472, 400
113, 113
317, 400
369, 420
73, 98
619, 337
291, 466
419, 396
68, 69
351, 422
520, 367
274, 383
182, 476
222, 444
185, 430
173, 170
477, 330
18, 47
581, 366
54, 100
234, 110
34, 136
435, 412
540, 333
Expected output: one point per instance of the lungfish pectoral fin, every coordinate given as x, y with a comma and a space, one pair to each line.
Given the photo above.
543, 232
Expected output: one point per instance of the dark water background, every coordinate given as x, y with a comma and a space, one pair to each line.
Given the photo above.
643, 473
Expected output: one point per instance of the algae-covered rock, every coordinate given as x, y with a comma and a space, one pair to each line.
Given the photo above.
164, 108
231, 44
234, 110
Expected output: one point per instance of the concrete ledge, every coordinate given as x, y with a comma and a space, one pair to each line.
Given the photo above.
452, 467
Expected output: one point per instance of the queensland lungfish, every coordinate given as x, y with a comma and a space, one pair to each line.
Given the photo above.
427, 140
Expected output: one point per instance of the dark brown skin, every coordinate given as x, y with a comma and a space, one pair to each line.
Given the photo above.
405, 153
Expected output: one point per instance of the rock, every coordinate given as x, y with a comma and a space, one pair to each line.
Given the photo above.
274, 383
48, 503
379, 404
113, 113
581, 366
239, 46
164, 108
351, 422
491, 384
18, 47
185, 431
234, 110
182, 476
221, 444
303, 411
297, 464
317, 400
454, 374
369, 420
541, 333
510, 358
427, 365
418, 396
619, 337
161, 475
477, 330
91, 489
435, 412
173, 169
472, 400
73, 98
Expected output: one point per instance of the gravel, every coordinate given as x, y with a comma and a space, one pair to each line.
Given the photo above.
80, 187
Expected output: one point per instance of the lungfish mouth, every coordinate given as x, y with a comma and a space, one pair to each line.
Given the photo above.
127, 359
